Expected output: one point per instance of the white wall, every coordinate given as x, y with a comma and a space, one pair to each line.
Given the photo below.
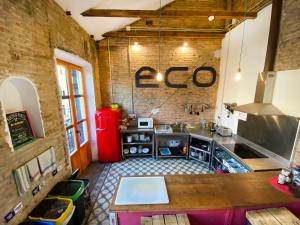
286, 92
253, 59
89, 87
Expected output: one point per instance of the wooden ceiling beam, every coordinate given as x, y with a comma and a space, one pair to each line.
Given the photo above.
167, 14
178, 34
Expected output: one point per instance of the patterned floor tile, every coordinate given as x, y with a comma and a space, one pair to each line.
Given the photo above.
107, 181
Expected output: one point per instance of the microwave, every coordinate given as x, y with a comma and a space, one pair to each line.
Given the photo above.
145, 123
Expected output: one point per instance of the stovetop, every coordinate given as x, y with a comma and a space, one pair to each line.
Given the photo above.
244, 151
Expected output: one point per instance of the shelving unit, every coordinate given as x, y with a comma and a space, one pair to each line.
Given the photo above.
200, 149
162, 140
136, 135
221, 162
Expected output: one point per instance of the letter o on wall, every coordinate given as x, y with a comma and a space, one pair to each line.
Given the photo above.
205, 68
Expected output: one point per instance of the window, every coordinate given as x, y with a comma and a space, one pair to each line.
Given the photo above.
70, 80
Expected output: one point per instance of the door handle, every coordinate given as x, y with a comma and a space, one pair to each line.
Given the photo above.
99, 129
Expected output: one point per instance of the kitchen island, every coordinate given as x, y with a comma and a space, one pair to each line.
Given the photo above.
211, 199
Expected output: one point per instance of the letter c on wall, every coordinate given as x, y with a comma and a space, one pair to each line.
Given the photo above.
169, 71
205, 68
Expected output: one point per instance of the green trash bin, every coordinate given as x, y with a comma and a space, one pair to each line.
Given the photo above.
74, 190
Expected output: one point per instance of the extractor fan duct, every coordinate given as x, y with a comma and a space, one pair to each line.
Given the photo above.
263, 97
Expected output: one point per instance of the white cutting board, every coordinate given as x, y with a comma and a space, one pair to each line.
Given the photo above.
142, 190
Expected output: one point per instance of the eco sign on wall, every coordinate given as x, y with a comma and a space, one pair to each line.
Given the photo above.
140, 75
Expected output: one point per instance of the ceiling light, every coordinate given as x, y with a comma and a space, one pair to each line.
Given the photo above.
128, 28
136, 46
185, 44
211, 18
159, 76
238, 75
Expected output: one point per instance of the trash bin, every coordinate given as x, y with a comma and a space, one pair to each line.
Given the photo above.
59, 211
74, 190
36, 222
87, 197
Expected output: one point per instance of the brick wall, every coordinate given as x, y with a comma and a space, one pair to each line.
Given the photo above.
29, 32
288, 52
125, 60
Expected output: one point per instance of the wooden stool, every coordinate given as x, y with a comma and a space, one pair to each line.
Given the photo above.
178, 219
272, 216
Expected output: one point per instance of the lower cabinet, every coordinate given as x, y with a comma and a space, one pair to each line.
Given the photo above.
224, 162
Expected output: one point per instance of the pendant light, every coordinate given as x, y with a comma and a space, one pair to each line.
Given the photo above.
238, 75
159, 76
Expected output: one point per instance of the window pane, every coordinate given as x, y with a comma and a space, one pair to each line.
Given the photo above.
66, 107
71, 141
62, 80
77, 82
80, 110
82, 132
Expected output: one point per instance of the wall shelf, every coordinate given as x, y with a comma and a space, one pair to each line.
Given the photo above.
20, 94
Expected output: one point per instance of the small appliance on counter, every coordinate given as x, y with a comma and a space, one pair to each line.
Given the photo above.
224, 131
145, 123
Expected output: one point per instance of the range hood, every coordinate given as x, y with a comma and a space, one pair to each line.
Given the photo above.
266, 80
263, 97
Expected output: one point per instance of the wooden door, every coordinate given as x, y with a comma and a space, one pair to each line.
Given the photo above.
73, 99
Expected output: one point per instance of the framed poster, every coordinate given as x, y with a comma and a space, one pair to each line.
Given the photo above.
20, 128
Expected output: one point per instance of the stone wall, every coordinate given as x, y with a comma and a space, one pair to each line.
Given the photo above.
119, 60
29, 32
288, 52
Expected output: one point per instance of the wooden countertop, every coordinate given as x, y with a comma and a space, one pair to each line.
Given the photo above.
214, 191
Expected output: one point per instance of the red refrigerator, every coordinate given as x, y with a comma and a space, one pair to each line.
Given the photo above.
108, 134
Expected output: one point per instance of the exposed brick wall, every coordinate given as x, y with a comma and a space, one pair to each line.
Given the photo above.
125, 60
288, 52
29, 32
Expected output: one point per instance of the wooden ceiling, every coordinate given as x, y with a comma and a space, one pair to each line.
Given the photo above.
184, 18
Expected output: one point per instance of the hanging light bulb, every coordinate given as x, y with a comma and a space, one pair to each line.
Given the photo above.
238, 75
211, 18
159, 76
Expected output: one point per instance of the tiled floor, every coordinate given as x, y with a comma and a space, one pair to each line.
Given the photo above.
103, 190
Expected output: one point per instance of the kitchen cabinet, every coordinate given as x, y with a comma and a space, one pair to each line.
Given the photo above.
200, 149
